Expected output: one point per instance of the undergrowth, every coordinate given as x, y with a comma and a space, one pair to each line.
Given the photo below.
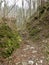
9, 40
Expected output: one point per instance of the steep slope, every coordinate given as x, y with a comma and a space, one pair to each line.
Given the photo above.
38, 25
38, 29
34, 49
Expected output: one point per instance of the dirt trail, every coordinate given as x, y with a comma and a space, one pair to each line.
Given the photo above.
29, 53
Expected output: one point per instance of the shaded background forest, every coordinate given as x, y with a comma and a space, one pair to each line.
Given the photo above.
20, 10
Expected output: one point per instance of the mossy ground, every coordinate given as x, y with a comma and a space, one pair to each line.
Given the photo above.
9, 40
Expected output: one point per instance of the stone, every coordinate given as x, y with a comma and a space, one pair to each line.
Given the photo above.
17, 63
30, 62
34, 51
32, 48
36, 63
41, 61
24, 63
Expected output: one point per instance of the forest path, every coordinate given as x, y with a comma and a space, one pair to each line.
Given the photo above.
29, 53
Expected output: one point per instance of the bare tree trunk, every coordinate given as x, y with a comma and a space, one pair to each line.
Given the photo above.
0, 8
34, 5
23, 13
23, 9
30, 8
38, 2
4, 9
29, 4
42, 2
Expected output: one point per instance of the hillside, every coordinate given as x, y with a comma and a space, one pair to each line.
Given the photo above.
28, 45
38, 26
38, 29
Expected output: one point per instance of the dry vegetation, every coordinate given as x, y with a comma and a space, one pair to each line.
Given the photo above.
29, 46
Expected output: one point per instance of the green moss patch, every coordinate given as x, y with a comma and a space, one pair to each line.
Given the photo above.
8, 40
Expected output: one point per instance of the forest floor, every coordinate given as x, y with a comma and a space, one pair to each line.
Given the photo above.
29, 53
32, 52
